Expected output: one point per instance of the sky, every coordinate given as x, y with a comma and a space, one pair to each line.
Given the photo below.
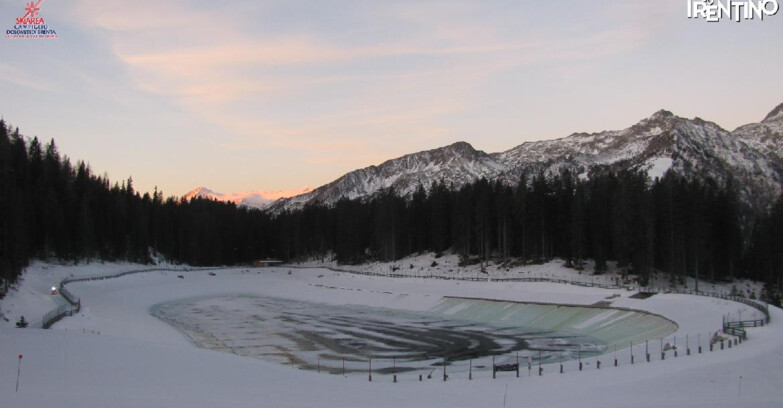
277, 95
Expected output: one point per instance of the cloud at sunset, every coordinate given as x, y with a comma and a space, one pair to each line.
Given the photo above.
263, 87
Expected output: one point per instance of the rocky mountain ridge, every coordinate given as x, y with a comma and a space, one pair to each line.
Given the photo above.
750, 156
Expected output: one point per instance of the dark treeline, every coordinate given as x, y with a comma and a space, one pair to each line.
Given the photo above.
672, 224
51, 208
764, 258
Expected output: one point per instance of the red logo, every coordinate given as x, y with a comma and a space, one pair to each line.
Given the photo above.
32, 11
31, 25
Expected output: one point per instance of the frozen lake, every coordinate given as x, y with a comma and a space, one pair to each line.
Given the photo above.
337, 338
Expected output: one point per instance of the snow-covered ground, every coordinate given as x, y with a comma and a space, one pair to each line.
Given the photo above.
448, 265
116, 354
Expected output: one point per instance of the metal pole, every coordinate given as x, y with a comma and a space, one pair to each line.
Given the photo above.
444, 369
540, 370
529, 365
18, 372
370, 370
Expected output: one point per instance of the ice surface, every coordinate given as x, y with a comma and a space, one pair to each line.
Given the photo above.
319, 336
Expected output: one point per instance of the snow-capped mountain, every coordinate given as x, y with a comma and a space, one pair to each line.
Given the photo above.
692, 147
766, 136
251, 199
458, 163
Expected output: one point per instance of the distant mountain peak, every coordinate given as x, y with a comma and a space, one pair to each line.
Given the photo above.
461, 149
460, 146
661, 115
775, 115
198, 191
252, 199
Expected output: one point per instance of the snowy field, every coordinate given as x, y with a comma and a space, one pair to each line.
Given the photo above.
115, 353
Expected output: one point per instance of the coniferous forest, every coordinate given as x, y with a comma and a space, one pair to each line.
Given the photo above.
51, 208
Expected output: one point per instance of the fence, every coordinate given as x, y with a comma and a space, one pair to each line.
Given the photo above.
737, 328
587, 282
55, 315
518, 365
74, 303
591, 283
